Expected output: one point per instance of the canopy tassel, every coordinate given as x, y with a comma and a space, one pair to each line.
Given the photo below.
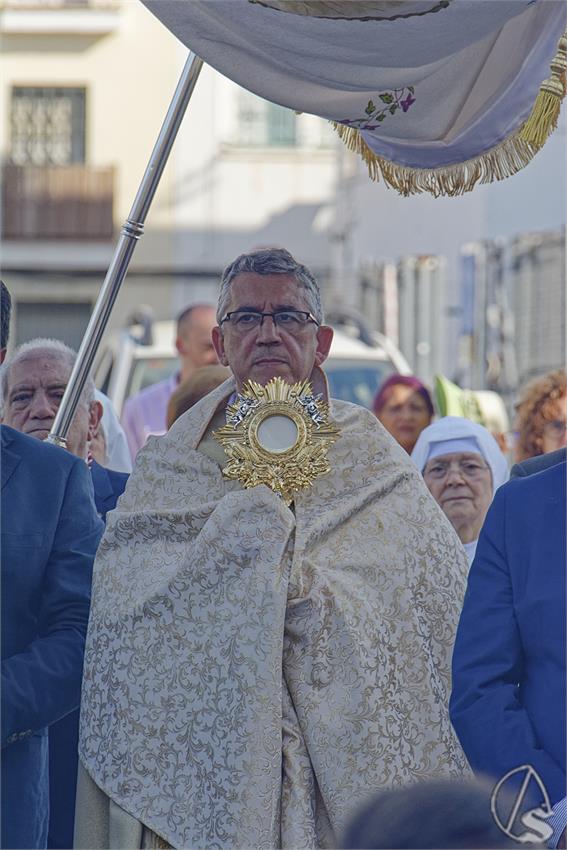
545, 113
502, 161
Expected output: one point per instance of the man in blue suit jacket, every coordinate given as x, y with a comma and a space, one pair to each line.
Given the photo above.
508, 700
64, 735
50, 533
33, 383
538, 463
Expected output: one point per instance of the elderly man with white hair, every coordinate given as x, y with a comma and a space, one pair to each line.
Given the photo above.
463, 466
33, 383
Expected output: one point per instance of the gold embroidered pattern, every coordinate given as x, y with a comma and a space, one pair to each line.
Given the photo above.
252, 672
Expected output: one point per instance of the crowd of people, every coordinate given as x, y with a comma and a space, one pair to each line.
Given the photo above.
359, 669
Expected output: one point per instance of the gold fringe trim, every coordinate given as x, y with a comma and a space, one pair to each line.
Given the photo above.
502, 161
545, 113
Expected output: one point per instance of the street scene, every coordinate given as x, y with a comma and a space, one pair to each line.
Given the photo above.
284, 423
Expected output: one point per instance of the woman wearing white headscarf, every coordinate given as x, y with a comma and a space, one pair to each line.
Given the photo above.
462, 466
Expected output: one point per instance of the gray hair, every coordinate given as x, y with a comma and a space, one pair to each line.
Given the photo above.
271, 261
55, 348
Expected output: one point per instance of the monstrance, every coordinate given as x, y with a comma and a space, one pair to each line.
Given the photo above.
279, 435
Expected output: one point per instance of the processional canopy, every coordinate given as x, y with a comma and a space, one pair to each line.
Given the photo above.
436, 95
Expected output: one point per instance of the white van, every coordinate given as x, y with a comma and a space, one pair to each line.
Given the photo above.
142, 354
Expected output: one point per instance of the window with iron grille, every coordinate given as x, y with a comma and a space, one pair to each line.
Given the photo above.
47, 125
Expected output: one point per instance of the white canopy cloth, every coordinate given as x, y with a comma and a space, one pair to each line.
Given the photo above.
423, 91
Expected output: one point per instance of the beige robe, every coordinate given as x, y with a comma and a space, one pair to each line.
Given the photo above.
254, 672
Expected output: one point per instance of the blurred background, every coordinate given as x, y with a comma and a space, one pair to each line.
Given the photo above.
471, 287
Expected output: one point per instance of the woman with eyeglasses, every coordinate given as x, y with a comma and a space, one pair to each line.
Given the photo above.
542, 416
462, 466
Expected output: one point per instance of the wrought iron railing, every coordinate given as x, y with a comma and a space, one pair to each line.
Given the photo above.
57, 202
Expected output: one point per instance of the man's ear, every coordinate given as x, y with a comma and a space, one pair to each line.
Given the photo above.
218, 343
324, 340
95, 415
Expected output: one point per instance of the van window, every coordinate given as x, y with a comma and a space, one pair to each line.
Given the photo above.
356, 381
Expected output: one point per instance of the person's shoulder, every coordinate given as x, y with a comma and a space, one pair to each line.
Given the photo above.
361, 432
354, 419
38, 451
353, 413
529, 489
547, 479
117, 479
538, 464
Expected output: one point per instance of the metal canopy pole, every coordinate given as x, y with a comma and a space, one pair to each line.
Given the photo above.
132, 230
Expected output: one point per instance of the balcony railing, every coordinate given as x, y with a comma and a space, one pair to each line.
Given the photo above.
57, 202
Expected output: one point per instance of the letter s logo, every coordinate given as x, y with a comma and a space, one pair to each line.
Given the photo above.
537, 832
540, 832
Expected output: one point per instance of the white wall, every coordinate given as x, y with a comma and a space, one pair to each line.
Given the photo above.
533, 199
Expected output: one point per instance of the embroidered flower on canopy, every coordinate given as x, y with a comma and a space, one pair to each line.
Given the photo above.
390, 103
405, 104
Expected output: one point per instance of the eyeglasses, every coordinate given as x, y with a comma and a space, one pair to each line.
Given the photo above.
556, 428
292, 321
470, 469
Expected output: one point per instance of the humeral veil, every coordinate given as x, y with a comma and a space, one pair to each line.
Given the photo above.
253, 672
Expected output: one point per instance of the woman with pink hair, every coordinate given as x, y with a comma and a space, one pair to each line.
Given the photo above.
404, 407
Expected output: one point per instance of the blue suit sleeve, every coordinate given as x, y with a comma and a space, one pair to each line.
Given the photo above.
493, 727
42, 684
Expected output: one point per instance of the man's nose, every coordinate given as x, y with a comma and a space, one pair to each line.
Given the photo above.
268, 332
42, 407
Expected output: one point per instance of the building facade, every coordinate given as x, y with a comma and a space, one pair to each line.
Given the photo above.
85, 87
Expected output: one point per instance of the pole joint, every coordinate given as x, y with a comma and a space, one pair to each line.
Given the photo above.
133, 229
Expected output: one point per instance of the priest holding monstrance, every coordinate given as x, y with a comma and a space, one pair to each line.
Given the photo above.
274, 604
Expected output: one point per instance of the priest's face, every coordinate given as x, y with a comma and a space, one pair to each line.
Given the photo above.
260, 349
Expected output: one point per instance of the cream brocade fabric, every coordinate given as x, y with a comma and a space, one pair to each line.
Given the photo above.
253, 672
